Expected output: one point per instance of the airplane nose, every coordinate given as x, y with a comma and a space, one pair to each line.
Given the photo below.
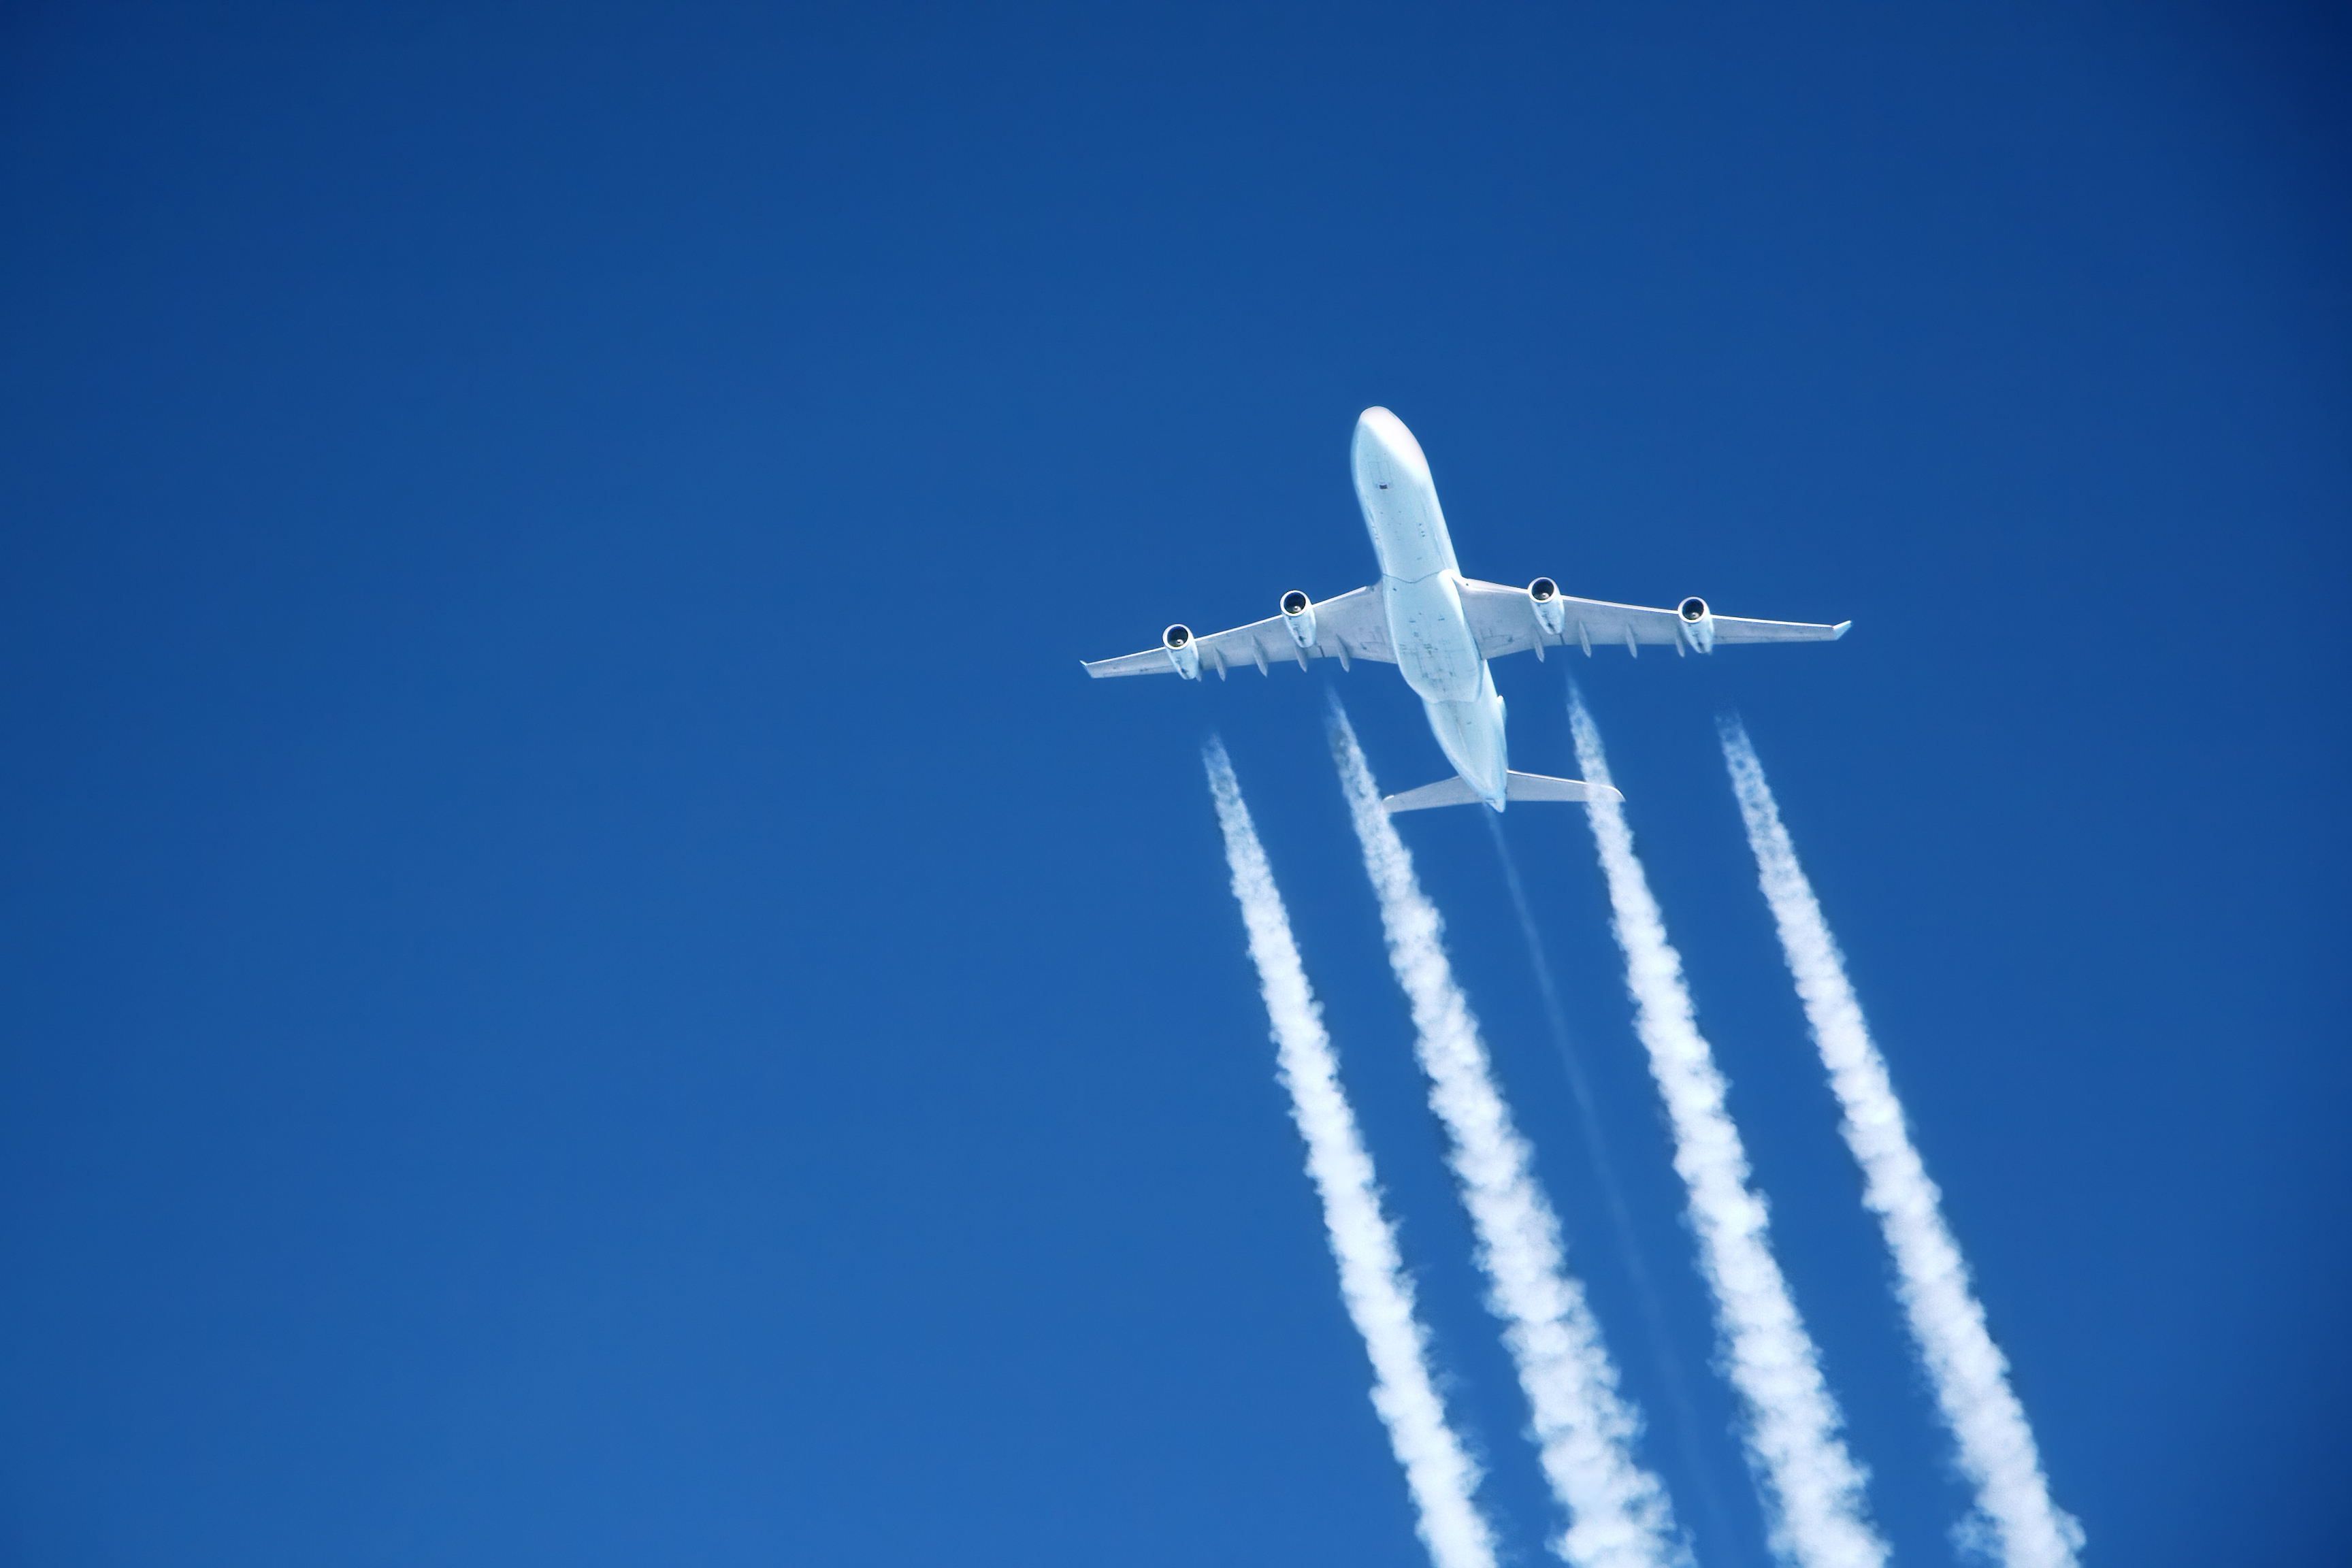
1382, 435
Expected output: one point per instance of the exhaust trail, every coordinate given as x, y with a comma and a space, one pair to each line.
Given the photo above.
1970, 1375
1583, 1429
1604, 1171
1372, 1279
1812, 1487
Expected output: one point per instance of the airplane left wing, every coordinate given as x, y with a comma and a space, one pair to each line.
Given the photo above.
1349, 627
1507, 620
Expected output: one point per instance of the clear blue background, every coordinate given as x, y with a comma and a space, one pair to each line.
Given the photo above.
584, 981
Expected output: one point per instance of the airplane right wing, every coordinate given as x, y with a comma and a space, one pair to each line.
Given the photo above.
1349, 627
1505, 620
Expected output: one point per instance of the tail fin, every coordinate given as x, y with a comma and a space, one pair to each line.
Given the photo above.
1456, 791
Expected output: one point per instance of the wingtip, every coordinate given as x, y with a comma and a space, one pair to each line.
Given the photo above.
1840, 631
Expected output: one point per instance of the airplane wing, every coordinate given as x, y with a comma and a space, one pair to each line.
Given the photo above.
1349, 627
1503, 620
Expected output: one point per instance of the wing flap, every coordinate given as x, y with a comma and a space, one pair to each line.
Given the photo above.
1353, 624
1150, 661
1504, 621
1731, 628
1349, 627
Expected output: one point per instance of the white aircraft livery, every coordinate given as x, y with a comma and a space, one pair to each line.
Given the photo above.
1438, 629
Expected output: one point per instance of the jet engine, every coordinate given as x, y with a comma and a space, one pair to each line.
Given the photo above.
1178, 640
1299, 614
1551, 610
1697, 625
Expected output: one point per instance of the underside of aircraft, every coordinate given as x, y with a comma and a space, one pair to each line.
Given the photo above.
1441, 629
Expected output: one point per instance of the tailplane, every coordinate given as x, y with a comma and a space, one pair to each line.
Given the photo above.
1535, 786
1456, 791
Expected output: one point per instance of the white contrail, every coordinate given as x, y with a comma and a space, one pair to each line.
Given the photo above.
1604, 1173
1971, 1377
1617, 1511
1373, 1279
1813, 1488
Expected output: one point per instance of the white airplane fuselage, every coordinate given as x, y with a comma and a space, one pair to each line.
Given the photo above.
1420, 589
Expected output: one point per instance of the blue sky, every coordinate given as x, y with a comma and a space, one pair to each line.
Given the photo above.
584, 980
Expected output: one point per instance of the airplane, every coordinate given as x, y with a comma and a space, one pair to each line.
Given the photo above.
1440, 628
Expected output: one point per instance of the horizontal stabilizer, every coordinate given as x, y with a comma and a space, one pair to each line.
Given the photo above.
1535, 786
1456, 791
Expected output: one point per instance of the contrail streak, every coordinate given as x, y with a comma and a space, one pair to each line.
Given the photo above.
1604, 1171
1813, 1488
1970, 1375
1584, 1431
1373, 1280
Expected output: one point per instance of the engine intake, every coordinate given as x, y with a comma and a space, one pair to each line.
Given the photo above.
1697, 625
1551, 611
1299, 617
1178, 640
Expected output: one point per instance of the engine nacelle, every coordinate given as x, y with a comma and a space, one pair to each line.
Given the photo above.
1178, 640
1299, 614
1697, 625
1551, 610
